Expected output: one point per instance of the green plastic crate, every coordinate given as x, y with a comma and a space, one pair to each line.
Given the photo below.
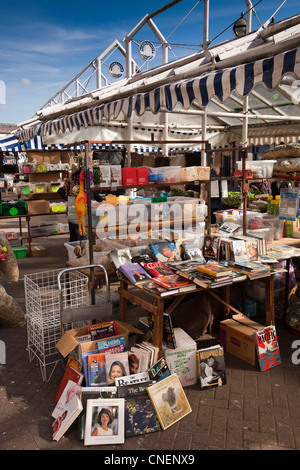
13, 208
19, 251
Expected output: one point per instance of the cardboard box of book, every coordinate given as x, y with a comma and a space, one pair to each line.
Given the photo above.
69, 344
237, 337
182, 360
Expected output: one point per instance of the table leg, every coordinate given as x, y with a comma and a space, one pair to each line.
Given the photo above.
269, 291
158, 323
123, 302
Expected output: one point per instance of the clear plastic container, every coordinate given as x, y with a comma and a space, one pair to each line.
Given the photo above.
27, 167
39, 188
172, 174
260, 168
267, 233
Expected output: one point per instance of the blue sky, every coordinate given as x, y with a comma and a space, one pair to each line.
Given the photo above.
45, 44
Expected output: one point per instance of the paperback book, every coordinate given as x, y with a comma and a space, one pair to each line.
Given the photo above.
157, 269
140, 416
138, 378
173, 281
211, 367
71, 389
96, 370
267, 347
214, 270
156, 289
169, 400
70, 374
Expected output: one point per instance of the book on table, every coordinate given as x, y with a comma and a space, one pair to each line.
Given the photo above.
120, 257
214, 270
135, 273
192, 252
165, 252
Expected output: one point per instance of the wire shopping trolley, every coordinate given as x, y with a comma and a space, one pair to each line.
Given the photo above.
55, 302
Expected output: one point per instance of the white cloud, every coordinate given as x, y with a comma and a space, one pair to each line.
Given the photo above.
26, 81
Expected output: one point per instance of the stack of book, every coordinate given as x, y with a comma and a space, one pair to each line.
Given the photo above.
252, 269
212, 275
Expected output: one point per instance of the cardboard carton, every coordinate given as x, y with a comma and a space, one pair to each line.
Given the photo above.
69, 344
38, 207
237, 337
38, 251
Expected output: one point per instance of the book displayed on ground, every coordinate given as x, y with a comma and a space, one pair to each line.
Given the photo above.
169, 339
135, 273
169, 400
138, 378
69, 414
102, 330
89, 393
211, 367
211, 247
116, 365
214, 270
192, 252
71, 389
96, 370
165, 252
267, 348
104, 422
140, 415
159, 370
120, 257
70, 374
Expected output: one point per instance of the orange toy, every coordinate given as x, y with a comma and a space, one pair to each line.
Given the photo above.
80, 205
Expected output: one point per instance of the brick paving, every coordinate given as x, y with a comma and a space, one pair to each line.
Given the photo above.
253, 411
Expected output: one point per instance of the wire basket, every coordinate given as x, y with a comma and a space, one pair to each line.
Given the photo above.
43, 312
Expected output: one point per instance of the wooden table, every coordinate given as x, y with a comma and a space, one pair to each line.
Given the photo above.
156, 305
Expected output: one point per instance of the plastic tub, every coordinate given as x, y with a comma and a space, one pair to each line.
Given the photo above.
39, 188
19, 251
100, 257
58, 207
27, 167
267, 233
260, 168
172, 174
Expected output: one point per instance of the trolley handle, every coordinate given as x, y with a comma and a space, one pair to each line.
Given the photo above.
78, 268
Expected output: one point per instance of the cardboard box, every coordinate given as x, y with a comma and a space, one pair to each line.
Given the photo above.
237, 337
69, 344
38, 207
38, 251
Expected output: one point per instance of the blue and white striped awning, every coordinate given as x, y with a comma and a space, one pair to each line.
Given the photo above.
219, 83
12, 144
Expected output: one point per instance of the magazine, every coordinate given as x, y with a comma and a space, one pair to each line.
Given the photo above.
69, 414
157, 268
96, 370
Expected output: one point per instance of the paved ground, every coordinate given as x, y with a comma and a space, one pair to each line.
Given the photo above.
254, 411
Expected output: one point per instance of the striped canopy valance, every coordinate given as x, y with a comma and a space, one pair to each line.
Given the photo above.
220, 83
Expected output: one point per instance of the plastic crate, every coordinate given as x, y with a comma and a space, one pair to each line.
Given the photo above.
13, 208
19, 251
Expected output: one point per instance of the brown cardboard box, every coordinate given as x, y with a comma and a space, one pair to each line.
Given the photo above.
68, 343
38, 207
38, 251
236, 337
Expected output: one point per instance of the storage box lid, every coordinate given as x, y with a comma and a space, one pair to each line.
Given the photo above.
243, 324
